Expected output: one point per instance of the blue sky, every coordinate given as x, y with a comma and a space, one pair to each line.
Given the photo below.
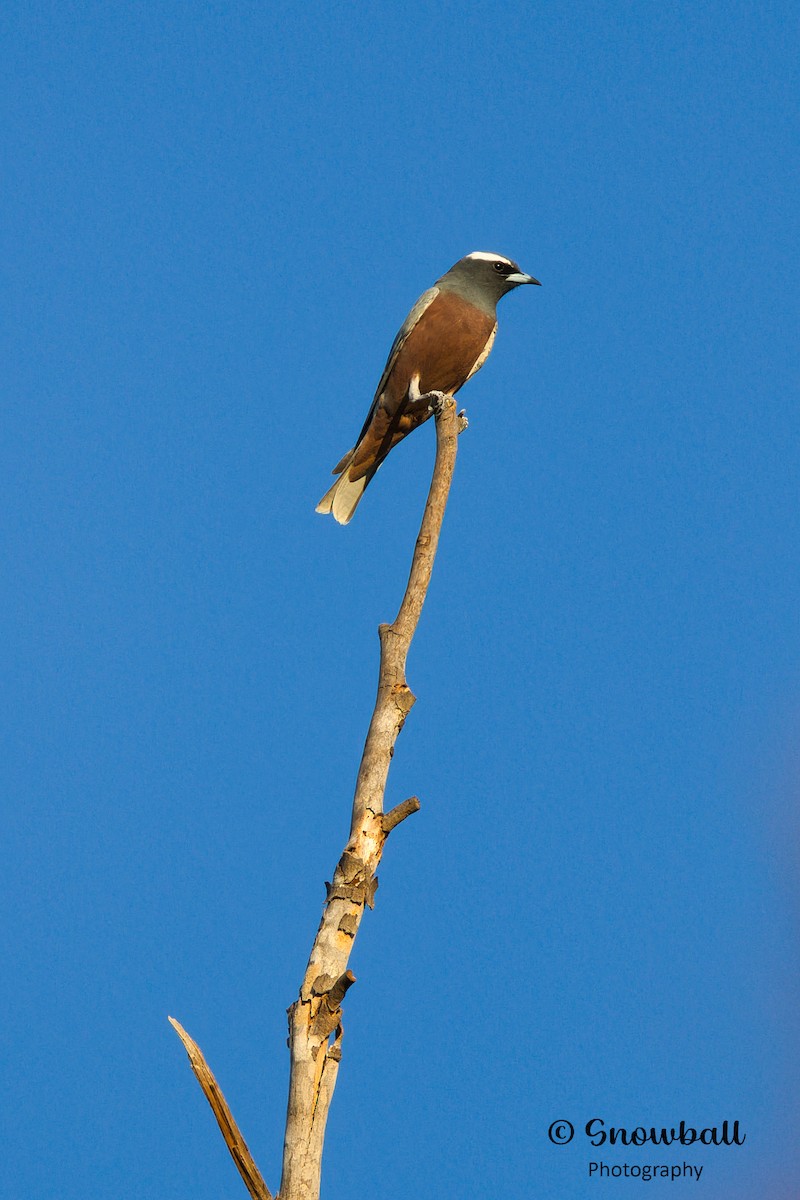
215, 218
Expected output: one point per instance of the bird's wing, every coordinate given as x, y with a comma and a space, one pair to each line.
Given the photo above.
424, 302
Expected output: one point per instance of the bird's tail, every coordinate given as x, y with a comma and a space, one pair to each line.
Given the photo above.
342, 499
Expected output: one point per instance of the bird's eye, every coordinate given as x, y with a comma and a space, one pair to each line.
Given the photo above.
498, 266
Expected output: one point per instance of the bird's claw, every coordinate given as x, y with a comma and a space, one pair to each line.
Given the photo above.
436, 402
463, 423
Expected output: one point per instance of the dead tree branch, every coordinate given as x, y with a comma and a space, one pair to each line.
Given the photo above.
315, 1018
228, 1127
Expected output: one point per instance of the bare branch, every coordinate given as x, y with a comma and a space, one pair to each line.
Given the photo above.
315, 1062
399, 813
337, 992
395, 699
228, 1127
315, 1018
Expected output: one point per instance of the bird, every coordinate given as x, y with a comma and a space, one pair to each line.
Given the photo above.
443, 341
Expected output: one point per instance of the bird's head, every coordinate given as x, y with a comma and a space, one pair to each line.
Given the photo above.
484, 277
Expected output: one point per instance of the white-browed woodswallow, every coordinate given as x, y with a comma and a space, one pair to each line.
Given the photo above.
444, 340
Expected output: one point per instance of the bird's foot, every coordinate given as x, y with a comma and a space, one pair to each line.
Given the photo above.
431, 402
436, 402
463, 423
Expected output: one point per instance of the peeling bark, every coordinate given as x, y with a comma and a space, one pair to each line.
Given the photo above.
315, 1018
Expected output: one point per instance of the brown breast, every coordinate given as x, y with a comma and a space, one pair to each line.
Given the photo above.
442, 348
451, 339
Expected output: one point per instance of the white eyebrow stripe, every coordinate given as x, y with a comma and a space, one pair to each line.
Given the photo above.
484, 256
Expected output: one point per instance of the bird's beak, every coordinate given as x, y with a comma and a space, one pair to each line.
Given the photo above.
518, 277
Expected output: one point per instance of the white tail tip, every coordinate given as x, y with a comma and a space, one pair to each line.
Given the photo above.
342, 499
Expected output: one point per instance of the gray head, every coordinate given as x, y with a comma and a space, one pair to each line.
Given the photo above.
482, 278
